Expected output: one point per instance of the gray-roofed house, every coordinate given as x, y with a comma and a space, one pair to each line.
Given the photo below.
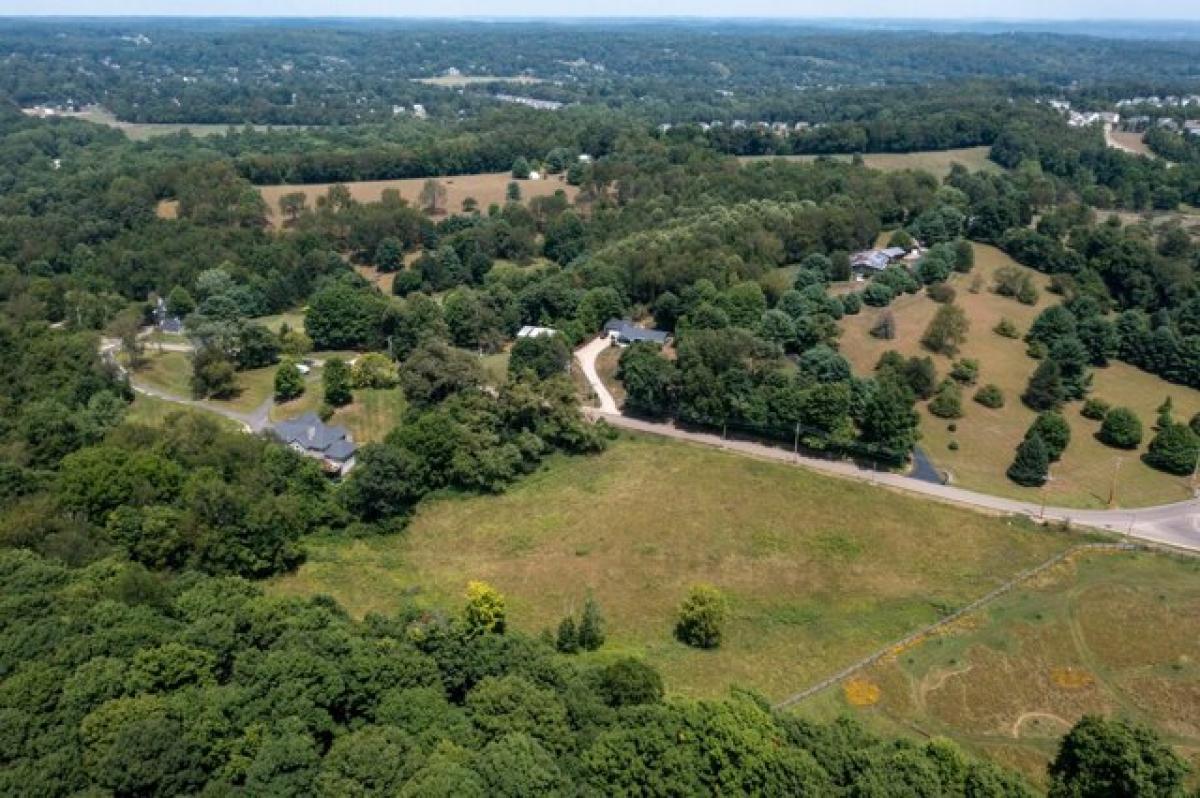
625, 332
312, 437
164, 320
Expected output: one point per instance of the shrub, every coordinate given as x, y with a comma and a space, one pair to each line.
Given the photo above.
374, 370
941, 292
953, 446
1027, 295
1095, 409
1006, 329
701, 617
877, 295
991, 396
946, 331
1121, 428
965, 371
947, 402
851, 304
885, 327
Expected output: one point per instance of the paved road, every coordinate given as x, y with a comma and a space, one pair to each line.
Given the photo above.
1175, 524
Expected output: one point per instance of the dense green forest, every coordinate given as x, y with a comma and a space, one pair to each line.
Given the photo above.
138, 658
343, 72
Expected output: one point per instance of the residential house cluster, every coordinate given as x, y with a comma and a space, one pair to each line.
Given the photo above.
779, 129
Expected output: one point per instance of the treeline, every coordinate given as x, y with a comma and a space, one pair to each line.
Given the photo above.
118, 681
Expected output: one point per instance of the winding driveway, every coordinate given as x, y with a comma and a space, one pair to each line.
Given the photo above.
1176, 525
253, 422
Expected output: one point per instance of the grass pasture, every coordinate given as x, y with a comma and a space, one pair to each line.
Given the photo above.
171, 373
988, 438
936, 162
141, 131
1106, 633
818, 571
486, 189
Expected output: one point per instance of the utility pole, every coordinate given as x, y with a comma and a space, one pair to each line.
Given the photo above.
796, 446
1112, 489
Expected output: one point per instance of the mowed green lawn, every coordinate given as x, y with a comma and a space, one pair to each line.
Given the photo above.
1109, 633
988, 438
819, 571
936, 162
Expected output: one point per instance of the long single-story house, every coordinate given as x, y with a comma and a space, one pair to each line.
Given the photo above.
531, 331
876, 260
312, 437
624, 332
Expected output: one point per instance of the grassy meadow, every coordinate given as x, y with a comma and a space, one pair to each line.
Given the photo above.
818, 571
936, 162
1104, 633
141, 131
988, 438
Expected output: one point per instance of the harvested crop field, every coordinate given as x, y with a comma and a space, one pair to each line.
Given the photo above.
936, 162
485, 189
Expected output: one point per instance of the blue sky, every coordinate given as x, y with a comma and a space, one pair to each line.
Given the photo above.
929, 9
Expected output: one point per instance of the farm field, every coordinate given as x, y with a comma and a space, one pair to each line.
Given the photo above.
486, 189
988, 438
1130, 142
936, 162
1106, 633
818, 571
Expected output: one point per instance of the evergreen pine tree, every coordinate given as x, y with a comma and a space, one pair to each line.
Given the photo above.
568, 638
1032, 463
591, 626
1045, 390
1175, 449
1164, 414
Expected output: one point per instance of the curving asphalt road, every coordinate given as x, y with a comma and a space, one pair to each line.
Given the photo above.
1176, 525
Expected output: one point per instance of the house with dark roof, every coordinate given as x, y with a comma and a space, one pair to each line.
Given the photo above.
624, 332
312, 437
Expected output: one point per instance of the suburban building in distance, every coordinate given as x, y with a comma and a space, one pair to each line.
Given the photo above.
530, 331
312, 437
624, 332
